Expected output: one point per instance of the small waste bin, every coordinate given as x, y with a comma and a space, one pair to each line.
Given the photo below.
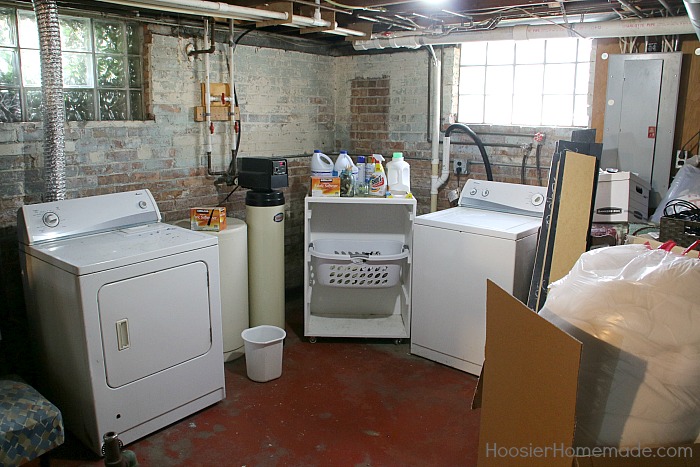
263, 352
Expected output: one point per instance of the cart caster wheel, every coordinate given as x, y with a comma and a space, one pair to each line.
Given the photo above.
312, 340
397, 341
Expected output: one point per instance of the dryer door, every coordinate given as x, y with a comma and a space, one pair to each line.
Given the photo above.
153, 322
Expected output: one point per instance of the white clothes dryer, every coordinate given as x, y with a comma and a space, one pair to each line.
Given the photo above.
126, 313
491, 234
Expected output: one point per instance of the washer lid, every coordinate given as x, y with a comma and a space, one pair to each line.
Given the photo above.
482, 222
107, 250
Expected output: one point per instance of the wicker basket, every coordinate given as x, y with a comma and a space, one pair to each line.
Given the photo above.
674, 227
357, 263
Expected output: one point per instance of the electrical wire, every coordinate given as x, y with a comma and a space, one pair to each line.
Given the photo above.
221, 204
683, 148
682, 209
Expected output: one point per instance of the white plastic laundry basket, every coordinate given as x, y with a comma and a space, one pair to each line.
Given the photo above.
263, 352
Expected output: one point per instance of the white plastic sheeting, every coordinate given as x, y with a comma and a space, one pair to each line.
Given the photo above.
636, 312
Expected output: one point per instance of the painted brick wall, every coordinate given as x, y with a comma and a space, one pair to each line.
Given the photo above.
291, 103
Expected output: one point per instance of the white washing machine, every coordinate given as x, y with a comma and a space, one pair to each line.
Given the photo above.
491, 234
125, 312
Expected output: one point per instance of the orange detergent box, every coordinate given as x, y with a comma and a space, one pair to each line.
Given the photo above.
325, 186
208, 218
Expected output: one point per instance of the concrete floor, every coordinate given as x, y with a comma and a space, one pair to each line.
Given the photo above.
339, 402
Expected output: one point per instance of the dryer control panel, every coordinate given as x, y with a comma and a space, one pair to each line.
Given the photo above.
512, 198
53, 220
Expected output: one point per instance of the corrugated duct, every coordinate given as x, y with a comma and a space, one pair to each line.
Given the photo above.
693, 9
52, 99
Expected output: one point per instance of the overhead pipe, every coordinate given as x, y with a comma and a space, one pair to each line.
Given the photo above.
665, 26
227, 11
436, 79
46, 12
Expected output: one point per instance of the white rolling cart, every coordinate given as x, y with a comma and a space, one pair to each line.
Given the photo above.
357, 264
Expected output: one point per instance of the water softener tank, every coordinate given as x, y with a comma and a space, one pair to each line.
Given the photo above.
265, 219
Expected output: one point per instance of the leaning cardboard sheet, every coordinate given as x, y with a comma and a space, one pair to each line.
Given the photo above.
636, 312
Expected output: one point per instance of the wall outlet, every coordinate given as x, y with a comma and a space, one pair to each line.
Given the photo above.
460, 166
681, 157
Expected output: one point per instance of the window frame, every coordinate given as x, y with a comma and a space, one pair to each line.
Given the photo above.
582, 57
131, 91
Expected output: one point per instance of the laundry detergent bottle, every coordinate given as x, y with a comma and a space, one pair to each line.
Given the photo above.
398, 176
377, 183
342, 162
321, 164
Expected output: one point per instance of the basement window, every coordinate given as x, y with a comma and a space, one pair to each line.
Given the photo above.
101, 61
533, 82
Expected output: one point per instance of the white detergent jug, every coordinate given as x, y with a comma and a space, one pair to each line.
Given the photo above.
342, 162
321, 164
398, 176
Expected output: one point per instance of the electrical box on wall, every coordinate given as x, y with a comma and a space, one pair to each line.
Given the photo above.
219, 105
640, 116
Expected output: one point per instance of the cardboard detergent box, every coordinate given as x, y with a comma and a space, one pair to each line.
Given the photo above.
213, 219
527, 395
325, 186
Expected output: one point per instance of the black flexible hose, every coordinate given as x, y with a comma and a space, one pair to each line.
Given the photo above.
479, 144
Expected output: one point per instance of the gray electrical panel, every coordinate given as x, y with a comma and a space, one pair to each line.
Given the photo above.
640, 116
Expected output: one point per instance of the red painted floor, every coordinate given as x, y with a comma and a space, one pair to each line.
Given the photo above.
339, 402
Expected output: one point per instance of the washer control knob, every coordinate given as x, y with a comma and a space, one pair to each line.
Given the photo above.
537, 199
143, 204
50, 219
473, 191
485, 193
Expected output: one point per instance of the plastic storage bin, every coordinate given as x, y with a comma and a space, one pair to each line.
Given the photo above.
263, 352
357, 263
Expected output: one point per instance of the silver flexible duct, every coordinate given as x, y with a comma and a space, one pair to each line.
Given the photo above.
52, 99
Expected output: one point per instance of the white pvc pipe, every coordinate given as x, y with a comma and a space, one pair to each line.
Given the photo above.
436, 76
232, 92
666, 26
207, 91
218, 9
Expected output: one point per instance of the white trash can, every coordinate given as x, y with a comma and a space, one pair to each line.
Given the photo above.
263, 352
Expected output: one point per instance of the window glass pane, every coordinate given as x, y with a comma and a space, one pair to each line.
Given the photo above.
473, 53
583, 71
134, 38
134, 72
75, 34
500, 52
77, 70
33, 100
557, 110
10, 107
529, 51
527, 109
561, 50
581, 110
471, 109
109, 37
559, 79
9, 74
111, 72
584, 50
136, 100
31, 67
471, 79
499, 79
80, 105
7, 27
528, 79
28, 31
498, 108
113, 105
